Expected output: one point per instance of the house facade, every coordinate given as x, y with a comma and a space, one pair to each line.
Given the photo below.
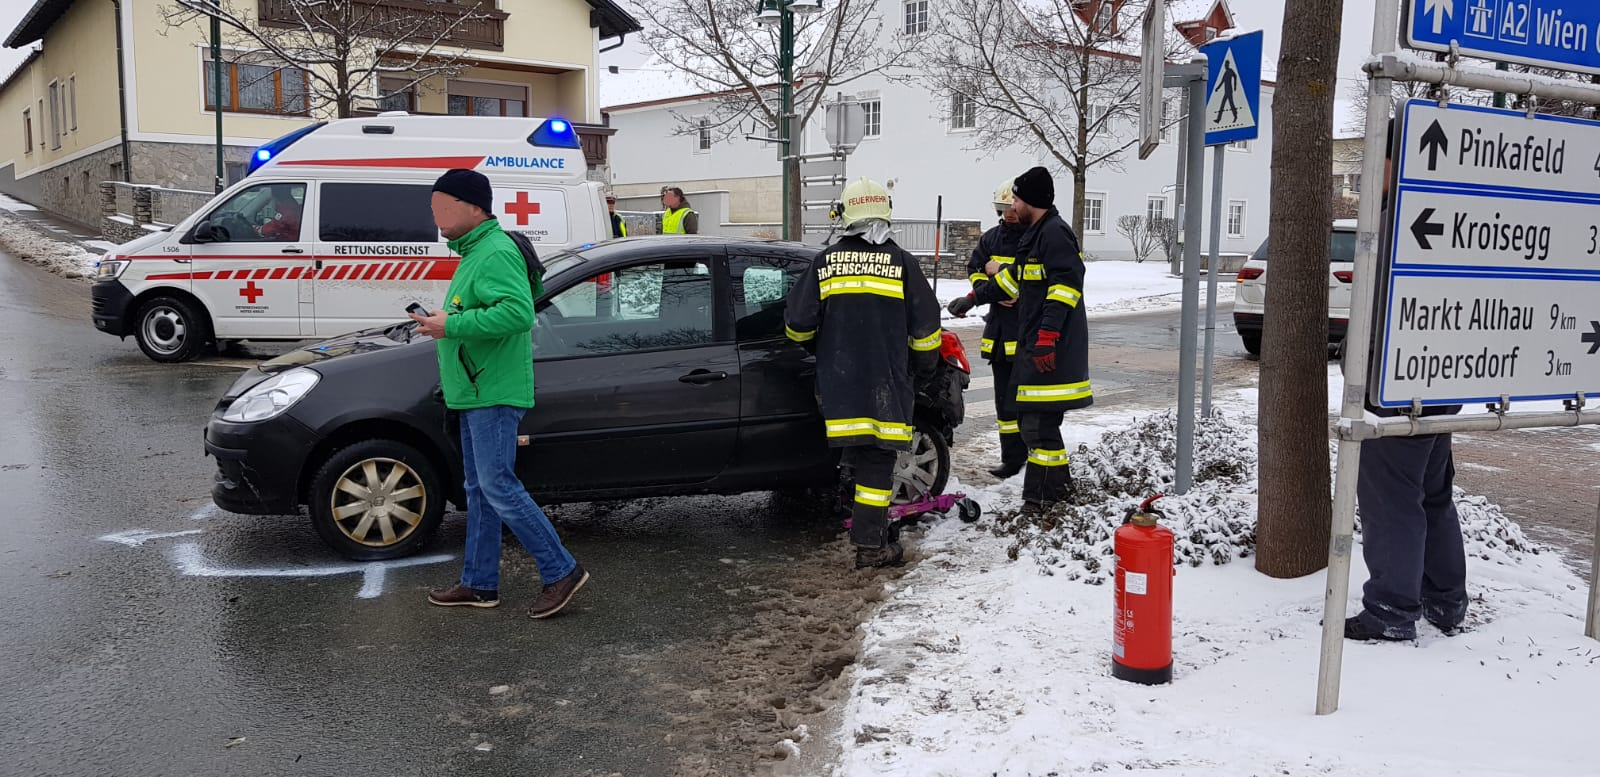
111, 92
925, 152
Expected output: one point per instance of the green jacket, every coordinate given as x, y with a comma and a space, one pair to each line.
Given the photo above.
486, 356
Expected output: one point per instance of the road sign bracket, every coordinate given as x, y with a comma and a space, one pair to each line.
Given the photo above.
1576, 403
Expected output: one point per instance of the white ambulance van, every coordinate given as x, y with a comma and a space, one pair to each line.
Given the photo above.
331, 231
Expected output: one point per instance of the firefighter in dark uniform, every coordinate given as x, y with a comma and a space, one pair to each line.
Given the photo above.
999, 344
1051, 375
868, 313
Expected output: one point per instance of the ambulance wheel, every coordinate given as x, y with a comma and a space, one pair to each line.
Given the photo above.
172, 329
925, 469
377, 499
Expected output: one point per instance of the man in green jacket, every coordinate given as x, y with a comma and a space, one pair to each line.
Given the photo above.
485, 352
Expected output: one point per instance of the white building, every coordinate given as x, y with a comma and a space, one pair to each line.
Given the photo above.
913, 148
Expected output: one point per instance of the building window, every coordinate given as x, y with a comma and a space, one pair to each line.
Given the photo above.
1105, 18
477, 98
1235, 218
1355, 182
1098, 113
1094, 209
872, 114
1155, 209
703, 135
916, 17
397, 95
72, 100
963, 112
254, 88
55, 115
27, 130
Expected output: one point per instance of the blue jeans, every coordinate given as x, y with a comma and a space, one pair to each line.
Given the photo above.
496, 496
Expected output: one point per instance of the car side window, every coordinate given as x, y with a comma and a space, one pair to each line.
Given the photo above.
638, 308
760, 286
269, 213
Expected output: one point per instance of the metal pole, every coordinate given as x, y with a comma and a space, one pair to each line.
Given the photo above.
1591, 625
1385, 32
1175, 261
938, 232
790, 144
1194, 179
1212, 267
216, 93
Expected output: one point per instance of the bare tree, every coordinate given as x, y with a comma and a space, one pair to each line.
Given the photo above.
1166, 232
1060, 77
718, 45
1294, 513
344, 47
1141, 235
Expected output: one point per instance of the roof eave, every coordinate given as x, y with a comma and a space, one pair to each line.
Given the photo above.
40, 18
613, 20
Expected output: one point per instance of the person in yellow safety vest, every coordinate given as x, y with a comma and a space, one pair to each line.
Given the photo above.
999, 345
869, 314
678, 218
618, 227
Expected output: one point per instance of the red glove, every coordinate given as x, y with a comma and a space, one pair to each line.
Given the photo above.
1044, 351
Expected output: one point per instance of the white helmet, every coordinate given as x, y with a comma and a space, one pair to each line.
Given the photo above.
864, 199
1003, 196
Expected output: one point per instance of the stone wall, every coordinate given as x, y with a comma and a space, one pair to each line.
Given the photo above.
186, 165
72, 189
955, 247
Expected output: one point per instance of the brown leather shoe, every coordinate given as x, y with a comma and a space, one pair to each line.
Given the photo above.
459, 595
556, 595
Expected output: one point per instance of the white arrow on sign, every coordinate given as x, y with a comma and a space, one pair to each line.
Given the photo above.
1440, 9
190, 561
133, 538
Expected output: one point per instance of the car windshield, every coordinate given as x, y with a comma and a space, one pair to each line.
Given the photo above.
560, 262
1341, 247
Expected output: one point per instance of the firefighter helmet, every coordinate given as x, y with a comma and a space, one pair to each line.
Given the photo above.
1003, 196
865, 199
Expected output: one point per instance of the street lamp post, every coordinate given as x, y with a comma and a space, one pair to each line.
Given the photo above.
782, 13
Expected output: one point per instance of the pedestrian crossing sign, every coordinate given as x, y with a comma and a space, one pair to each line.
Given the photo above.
1233, 88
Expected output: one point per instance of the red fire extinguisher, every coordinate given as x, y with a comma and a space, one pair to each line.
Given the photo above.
1141, 648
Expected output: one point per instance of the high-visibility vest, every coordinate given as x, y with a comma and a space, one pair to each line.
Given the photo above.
672, 221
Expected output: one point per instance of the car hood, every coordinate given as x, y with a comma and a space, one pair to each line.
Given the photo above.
364, 341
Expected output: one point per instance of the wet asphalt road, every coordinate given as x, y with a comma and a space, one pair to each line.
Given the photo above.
115, 662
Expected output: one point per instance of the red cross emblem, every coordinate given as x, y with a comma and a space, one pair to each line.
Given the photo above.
251, 292
522, 209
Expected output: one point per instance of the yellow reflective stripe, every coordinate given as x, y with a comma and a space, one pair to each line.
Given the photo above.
1059, 392
986, 345
798, 336
929, 343
1007, 283
1003, 259
1067, 294
978, 277
873, 497
863, 284
1033, 272
1010, 427
1047, 458
1011, 347
857, 427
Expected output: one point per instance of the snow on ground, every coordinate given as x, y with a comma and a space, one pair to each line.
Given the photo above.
14, 205
1111, 288
26, 242
979, 664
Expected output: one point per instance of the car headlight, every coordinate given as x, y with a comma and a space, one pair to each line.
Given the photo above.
110, 268
271, 397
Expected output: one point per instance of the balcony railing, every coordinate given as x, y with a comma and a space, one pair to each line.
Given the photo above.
478, 26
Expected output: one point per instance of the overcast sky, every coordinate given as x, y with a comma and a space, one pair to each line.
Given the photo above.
1248, 14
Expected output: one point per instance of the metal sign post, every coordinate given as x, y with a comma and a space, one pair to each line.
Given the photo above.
1193, 77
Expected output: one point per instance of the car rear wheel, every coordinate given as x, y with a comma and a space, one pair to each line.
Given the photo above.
377, 499
1252, 342
171, 329
925, 469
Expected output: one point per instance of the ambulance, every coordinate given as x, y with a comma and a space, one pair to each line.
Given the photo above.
331, 231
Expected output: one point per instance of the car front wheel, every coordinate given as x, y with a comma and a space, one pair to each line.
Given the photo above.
925, 469
1252, 342
377, 499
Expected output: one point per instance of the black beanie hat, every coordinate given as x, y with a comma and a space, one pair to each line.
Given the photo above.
469, 186
1036, 188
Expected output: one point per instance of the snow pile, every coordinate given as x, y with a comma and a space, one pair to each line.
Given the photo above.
22, 240
1213, 523
1113, 288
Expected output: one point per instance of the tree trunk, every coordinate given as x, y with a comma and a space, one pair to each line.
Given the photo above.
796, 220
1294, 514
1080, 183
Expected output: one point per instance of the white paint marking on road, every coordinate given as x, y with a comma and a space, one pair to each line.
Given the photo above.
210, 510
985, 382
133, 538
191, 562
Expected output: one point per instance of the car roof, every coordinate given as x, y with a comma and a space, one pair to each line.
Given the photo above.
1344, 225
689, 245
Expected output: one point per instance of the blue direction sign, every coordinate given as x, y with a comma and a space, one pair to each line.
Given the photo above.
1233, 89
1556, 34
1493, 283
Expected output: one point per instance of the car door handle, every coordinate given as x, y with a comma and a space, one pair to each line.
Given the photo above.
294, 250
702, 377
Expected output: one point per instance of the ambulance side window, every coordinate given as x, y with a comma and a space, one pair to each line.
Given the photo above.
269, 213
377, 213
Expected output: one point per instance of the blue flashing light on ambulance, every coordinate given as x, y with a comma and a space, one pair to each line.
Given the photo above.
331, 231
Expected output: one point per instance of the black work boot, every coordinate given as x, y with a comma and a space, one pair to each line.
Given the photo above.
1036, 485
1356, 629
1013, 456
890, 554
1059, 486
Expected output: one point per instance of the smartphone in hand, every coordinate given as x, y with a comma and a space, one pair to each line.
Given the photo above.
416, 309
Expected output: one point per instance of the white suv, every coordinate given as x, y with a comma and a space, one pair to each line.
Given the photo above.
1250, 303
